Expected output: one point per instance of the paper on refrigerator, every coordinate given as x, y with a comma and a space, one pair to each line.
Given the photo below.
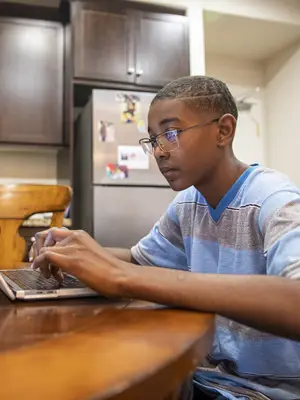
133, 157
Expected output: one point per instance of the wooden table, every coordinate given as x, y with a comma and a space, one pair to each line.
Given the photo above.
98, 349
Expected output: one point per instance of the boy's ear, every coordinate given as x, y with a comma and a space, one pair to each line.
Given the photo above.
227, 127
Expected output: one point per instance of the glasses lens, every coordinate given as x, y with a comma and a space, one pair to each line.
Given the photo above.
147, 147
168, 141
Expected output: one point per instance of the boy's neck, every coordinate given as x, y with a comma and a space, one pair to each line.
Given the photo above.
224, 177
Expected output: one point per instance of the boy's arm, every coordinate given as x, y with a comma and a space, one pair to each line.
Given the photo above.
267, 303
122, 254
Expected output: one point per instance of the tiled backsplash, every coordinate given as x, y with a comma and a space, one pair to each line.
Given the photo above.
28, 165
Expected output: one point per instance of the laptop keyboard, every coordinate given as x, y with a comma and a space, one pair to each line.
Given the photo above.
33, 280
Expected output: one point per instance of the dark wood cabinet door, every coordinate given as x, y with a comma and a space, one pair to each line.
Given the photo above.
103, 44
31, 82
162, 48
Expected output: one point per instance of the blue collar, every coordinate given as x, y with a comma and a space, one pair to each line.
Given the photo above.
230, 195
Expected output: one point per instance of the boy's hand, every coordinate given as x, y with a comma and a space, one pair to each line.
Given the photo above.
77, 253
46, 239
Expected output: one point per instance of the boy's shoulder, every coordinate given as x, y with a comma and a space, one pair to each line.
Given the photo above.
260, 184
263, 183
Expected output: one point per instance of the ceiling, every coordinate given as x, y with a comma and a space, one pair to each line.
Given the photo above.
247, 38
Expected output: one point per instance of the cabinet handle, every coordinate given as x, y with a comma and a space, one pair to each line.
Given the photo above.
130, 71
139, 73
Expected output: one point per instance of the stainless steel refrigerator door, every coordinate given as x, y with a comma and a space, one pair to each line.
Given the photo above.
122, 216
111, 134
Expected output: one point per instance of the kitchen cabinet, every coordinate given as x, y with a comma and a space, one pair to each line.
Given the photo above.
162, 49
31, 82
102, 45
116, 43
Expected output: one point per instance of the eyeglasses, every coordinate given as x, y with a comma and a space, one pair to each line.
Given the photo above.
168, 140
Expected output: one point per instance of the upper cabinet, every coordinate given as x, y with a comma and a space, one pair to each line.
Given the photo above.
115, 43
161, 48
102, 45
31, 79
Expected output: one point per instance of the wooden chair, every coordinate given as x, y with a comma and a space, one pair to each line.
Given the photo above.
17, 203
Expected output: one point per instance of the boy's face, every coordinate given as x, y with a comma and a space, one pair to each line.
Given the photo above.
199, 151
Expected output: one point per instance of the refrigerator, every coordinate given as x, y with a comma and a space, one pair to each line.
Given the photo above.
119, 193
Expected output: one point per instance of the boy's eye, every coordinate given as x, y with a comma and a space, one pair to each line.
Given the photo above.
171, 134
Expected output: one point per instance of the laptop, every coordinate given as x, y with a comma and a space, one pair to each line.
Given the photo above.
27, 284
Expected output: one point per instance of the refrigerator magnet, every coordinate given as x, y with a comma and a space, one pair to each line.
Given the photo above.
129, 109
106, 131
116, 172
141, 127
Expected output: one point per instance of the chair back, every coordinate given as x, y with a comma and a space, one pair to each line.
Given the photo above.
17, 203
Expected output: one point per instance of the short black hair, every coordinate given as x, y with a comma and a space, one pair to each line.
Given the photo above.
206, 93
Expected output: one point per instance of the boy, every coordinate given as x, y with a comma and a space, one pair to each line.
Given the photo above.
235, 227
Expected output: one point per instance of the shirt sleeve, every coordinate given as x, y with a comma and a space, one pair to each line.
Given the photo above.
163, 246
279, 223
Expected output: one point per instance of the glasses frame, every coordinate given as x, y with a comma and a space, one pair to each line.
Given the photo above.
154, 140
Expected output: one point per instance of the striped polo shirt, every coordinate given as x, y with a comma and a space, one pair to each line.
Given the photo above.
255, 229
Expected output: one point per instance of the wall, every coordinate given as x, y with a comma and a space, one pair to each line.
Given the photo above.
234, 70
196, 37
273, 10
242, 78
250, 140
282, 77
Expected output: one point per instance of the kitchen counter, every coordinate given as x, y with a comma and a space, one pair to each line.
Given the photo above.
43, 223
